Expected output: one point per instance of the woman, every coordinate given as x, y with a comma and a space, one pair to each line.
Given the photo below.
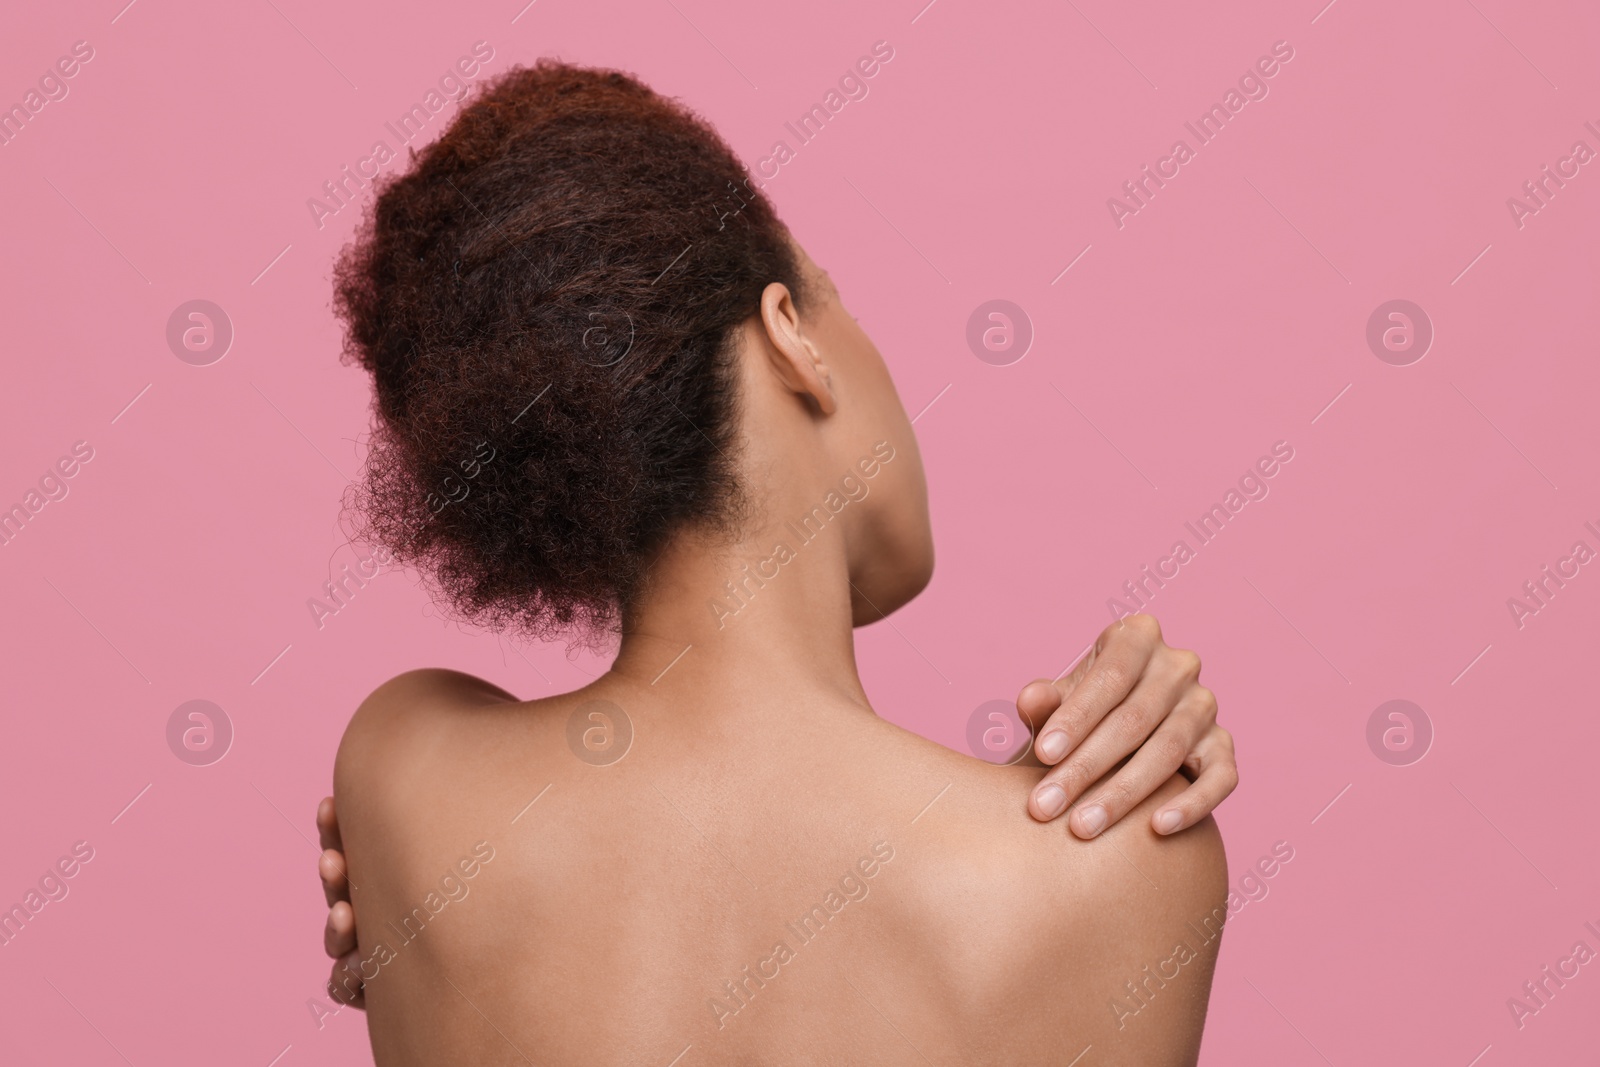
615, 396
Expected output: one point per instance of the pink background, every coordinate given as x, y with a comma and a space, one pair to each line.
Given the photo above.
1226, 315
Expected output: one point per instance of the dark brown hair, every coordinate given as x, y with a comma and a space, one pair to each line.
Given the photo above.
547, 302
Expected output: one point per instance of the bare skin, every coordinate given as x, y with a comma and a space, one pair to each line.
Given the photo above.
1130, 693
638, 908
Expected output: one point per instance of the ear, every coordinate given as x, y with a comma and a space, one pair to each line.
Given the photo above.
795, 358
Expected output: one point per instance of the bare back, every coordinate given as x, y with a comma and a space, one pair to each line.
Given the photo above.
850, 893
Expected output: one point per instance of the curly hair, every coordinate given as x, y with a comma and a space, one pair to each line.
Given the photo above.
547, 301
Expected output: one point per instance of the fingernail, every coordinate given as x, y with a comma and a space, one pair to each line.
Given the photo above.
1168, 821
1092, 819
1051, 800
1053, 745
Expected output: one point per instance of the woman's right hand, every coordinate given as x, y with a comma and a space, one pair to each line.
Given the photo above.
339, 937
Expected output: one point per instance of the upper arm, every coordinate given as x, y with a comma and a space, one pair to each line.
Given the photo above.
396, 758
1175, 933
398, 767
1143, 932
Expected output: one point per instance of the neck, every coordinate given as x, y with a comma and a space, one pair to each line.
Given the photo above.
720, 622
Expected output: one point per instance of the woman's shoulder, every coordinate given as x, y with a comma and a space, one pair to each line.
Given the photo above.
412, 742
407, 711
424, 690
1029, 924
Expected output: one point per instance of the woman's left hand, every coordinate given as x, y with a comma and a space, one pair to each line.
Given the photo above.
339, 936
1131, 695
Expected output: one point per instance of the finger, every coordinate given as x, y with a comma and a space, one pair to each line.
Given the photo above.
1151, 767
1124, 651
1043, 695
1119, 734
1036, 701
328, 825
339, 936
1071, 677
344, 983
335, 879
1215, 775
